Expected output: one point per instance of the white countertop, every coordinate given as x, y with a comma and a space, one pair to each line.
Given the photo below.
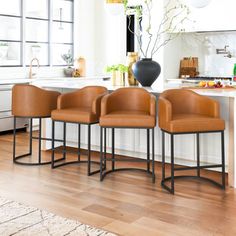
76, 83
48, 80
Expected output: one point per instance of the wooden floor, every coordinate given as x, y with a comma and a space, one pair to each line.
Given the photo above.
124, 203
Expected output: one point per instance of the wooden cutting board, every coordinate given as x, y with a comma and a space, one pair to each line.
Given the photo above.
188, 67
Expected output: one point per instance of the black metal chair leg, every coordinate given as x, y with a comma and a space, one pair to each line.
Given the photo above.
148, 150
40, 136
153, 156
105, 148
103, 157
78, 142
223, 158
101, 153
31, 134
113, 149
89, 151
198, 167
198, 155
53, 148
172, 163
64, 140
14, 139
163, 156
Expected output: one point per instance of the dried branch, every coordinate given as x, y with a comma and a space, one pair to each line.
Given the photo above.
172, 17
170, 27
150, 35
171, 37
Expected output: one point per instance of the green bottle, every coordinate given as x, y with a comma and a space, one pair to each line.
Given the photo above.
234, 72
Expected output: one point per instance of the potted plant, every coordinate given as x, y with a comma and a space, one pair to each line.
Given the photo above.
151, 36
117, 74
68, 58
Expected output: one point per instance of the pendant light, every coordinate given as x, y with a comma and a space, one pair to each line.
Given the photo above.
115, 7
199, 3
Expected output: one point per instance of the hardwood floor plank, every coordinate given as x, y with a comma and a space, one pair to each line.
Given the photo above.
113, 213
126, 229
171, 229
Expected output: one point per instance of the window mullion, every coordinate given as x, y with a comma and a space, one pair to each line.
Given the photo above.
23, 46
50, 22
73, 29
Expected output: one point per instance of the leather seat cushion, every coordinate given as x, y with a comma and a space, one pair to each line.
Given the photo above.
77, 115
128, 119
194, 123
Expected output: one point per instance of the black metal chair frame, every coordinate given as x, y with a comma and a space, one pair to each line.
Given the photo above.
64, 151
172, 177
16, 159
104, 158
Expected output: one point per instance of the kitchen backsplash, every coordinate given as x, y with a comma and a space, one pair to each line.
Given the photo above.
204, 46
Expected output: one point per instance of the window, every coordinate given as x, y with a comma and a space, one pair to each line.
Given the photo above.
39, 28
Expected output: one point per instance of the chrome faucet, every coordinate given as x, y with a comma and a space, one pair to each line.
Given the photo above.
31, 74
224, 51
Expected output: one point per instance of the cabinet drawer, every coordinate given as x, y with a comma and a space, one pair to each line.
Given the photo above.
5, 114
7, 124
5, 100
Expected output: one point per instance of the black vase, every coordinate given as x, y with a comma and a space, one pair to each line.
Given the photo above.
146, 71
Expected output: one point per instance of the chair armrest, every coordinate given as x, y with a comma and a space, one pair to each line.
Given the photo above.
152, 105
96, 105
50, 97
104, 105
207, 106
164, 112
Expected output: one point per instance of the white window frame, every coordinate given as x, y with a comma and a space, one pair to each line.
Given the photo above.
50, 44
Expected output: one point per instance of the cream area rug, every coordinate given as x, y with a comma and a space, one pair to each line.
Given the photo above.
21, 220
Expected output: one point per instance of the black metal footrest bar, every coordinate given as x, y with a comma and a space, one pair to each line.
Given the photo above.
48, 139
197, 167
75, 162
126, 160
166, 187
124, 169
189, 177
16, 160
66, 151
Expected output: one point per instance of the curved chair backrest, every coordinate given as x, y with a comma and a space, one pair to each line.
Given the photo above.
83, 97
31, 101
186, 101
131, 99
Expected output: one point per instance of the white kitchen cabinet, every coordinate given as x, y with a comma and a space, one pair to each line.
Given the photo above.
5, 98
6, 118
219, 15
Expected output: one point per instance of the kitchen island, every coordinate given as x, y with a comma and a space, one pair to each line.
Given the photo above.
133, 142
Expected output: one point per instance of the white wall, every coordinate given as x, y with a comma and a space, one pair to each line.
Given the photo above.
100, 36
85, 33
110, 37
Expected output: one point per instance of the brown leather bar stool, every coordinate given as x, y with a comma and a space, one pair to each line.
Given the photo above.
133, 108
31, 102
80, 107
183, 111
